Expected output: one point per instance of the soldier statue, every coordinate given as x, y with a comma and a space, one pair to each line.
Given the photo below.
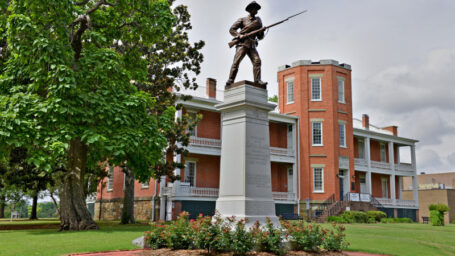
247, 44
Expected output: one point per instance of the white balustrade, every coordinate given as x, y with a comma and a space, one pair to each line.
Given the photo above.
205, 142
283, 196
404, 167
380, 165
280, 151
360, 162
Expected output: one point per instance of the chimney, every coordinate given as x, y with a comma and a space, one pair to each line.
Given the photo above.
365, 121
211, 88
393, 129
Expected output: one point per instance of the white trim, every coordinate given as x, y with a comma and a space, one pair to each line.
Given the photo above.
312, 134
145, 185
322, 180
194, 175
343, 100
317, 165
315, 75
289, 79
311, 88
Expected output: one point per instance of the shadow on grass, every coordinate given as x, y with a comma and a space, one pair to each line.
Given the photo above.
111, 228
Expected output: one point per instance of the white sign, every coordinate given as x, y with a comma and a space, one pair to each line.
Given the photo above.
365, 197
355, 197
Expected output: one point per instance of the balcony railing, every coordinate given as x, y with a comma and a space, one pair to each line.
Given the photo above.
404, 167
205, 142
398, 202
281, 151
360, 162
380, 165
188, 191
283, 196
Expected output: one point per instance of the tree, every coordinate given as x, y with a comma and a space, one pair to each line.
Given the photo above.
173, 62
274, 98
65, 90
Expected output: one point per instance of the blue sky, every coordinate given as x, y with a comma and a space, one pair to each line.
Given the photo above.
402, 55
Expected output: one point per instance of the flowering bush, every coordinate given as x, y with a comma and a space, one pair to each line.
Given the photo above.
156, 237
305, 237
335, 239
209, 235
240, 239
269, 239
180, 234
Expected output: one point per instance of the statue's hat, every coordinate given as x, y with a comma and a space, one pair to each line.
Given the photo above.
252, 5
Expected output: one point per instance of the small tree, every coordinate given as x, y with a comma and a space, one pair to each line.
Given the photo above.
437, 212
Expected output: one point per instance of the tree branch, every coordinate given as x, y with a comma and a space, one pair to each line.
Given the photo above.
82, 3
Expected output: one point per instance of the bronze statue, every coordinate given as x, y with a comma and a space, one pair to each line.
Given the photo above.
246, 41
247, 44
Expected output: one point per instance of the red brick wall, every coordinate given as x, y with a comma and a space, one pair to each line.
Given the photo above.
328, 109
279, 177
207, 170
210, 125
278, 135
377, 185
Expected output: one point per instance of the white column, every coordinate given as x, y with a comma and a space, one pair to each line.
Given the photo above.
294, 180
162, 199
368, 158
392, 177
415, 186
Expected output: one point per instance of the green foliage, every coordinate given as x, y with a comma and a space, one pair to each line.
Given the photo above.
269, 238
156, 237
337, 219
437, 212
274, 98
305, 237
335, 239
241, 240
376, 215
180, 235
208, 235
436, 218
396, 220
46, 210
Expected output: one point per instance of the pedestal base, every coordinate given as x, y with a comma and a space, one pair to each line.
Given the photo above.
245, 176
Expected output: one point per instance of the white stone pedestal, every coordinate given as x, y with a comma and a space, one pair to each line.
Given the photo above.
245, 176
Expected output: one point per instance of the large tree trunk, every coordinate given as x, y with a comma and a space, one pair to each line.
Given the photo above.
73, 210
33, 215
2, 205
128, 198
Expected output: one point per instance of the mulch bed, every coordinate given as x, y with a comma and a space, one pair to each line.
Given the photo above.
169, 252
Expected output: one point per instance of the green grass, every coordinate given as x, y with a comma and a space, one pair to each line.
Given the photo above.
26, 221
111, 236
401, 239
391, 239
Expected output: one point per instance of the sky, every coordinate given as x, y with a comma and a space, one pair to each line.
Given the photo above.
402, 55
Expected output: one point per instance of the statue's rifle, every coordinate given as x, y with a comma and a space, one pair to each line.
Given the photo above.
237, 40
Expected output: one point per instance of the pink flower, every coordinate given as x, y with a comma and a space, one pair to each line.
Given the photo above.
148, 232
266, 233
192, 220
310, 226
322, 239
201, 215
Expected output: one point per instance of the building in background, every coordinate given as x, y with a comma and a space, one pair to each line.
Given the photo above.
433, 188
320, 154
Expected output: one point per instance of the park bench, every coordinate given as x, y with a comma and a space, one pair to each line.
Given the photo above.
425, 219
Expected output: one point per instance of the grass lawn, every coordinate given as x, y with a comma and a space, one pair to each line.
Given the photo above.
402, 239
391, 239
111, 236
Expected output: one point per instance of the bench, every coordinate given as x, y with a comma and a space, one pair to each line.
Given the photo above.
425, 219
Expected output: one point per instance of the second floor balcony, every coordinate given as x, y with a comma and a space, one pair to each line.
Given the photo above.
404, 169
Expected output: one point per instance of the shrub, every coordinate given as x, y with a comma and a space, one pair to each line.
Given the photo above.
376, 215
335, 239
269, 239
396, 220
435, 218
241, 240
305, 237
180, 235
155, 238
355, 216
441, 209
208, 234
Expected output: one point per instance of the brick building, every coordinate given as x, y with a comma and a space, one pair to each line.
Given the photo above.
319, 153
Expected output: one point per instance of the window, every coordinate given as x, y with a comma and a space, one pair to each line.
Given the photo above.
316, 89
192, 132
290, 92
341, 90
318, 180
342, 135
361, 149
145, 185
383, 153
385, 188
317, 133
190, 173
110, 178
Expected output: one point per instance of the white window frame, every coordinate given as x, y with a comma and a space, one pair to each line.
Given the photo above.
341, 90
187, 171
342, 140
288, 94
312, 133
110, 179
322, 180
382, 152
386, 191
320, 88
